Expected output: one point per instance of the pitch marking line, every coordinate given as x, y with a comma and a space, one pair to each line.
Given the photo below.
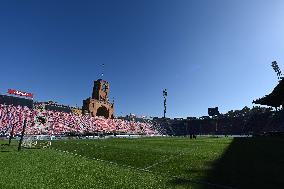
163, 161
154, 173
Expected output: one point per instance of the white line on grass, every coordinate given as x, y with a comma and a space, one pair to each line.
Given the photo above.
154, 173
163, 161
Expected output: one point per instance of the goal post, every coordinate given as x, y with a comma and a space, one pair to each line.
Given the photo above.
36, 141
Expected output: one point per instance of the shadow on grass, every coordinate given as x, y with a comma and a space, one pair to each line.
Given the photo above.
4, 151
183, 182
247, 163
196, 184
250, 163
5, 147
15, 149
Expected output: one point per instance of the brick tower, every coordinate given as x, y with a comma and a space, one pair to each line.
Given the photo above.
98, 104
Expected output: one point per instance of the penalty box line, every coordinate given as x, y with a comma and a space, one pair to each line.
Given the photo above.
189, 180
163, 161
101, 160
148, 171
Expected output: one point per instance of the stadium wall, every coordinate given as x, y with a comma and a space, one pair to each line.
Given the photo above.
16, 101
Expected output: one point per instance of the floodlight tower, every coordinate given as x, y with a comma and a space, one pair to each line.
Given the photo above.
214, 112
165, 94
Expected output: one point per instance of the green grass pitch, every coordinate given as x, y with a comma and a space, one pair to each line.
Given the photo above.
146, 163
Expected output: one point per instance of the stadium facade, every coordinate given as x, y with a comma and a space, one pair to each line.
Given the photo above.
97, 105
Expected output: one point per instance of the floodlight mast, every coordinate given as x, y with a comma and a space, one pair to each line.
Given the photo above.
214, 112
165, 94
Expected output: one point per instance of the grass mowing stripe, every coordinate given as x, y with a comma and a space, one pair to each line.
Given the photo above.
200, 182
155, 173
50, 169
238, 162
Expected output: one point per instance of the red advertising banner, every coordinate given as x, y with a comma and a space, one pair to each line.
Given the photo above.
20, 93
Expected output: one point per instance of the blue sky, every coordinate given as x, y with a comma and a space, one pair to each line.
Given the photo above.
207, 53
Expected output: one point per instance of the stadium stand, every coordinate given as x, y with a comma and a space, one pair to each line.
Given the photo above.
58, 108
49, 122
16, 101
239, 122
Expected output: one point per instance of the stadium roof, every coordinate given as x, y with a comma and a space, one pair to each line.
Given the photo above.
275, 98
